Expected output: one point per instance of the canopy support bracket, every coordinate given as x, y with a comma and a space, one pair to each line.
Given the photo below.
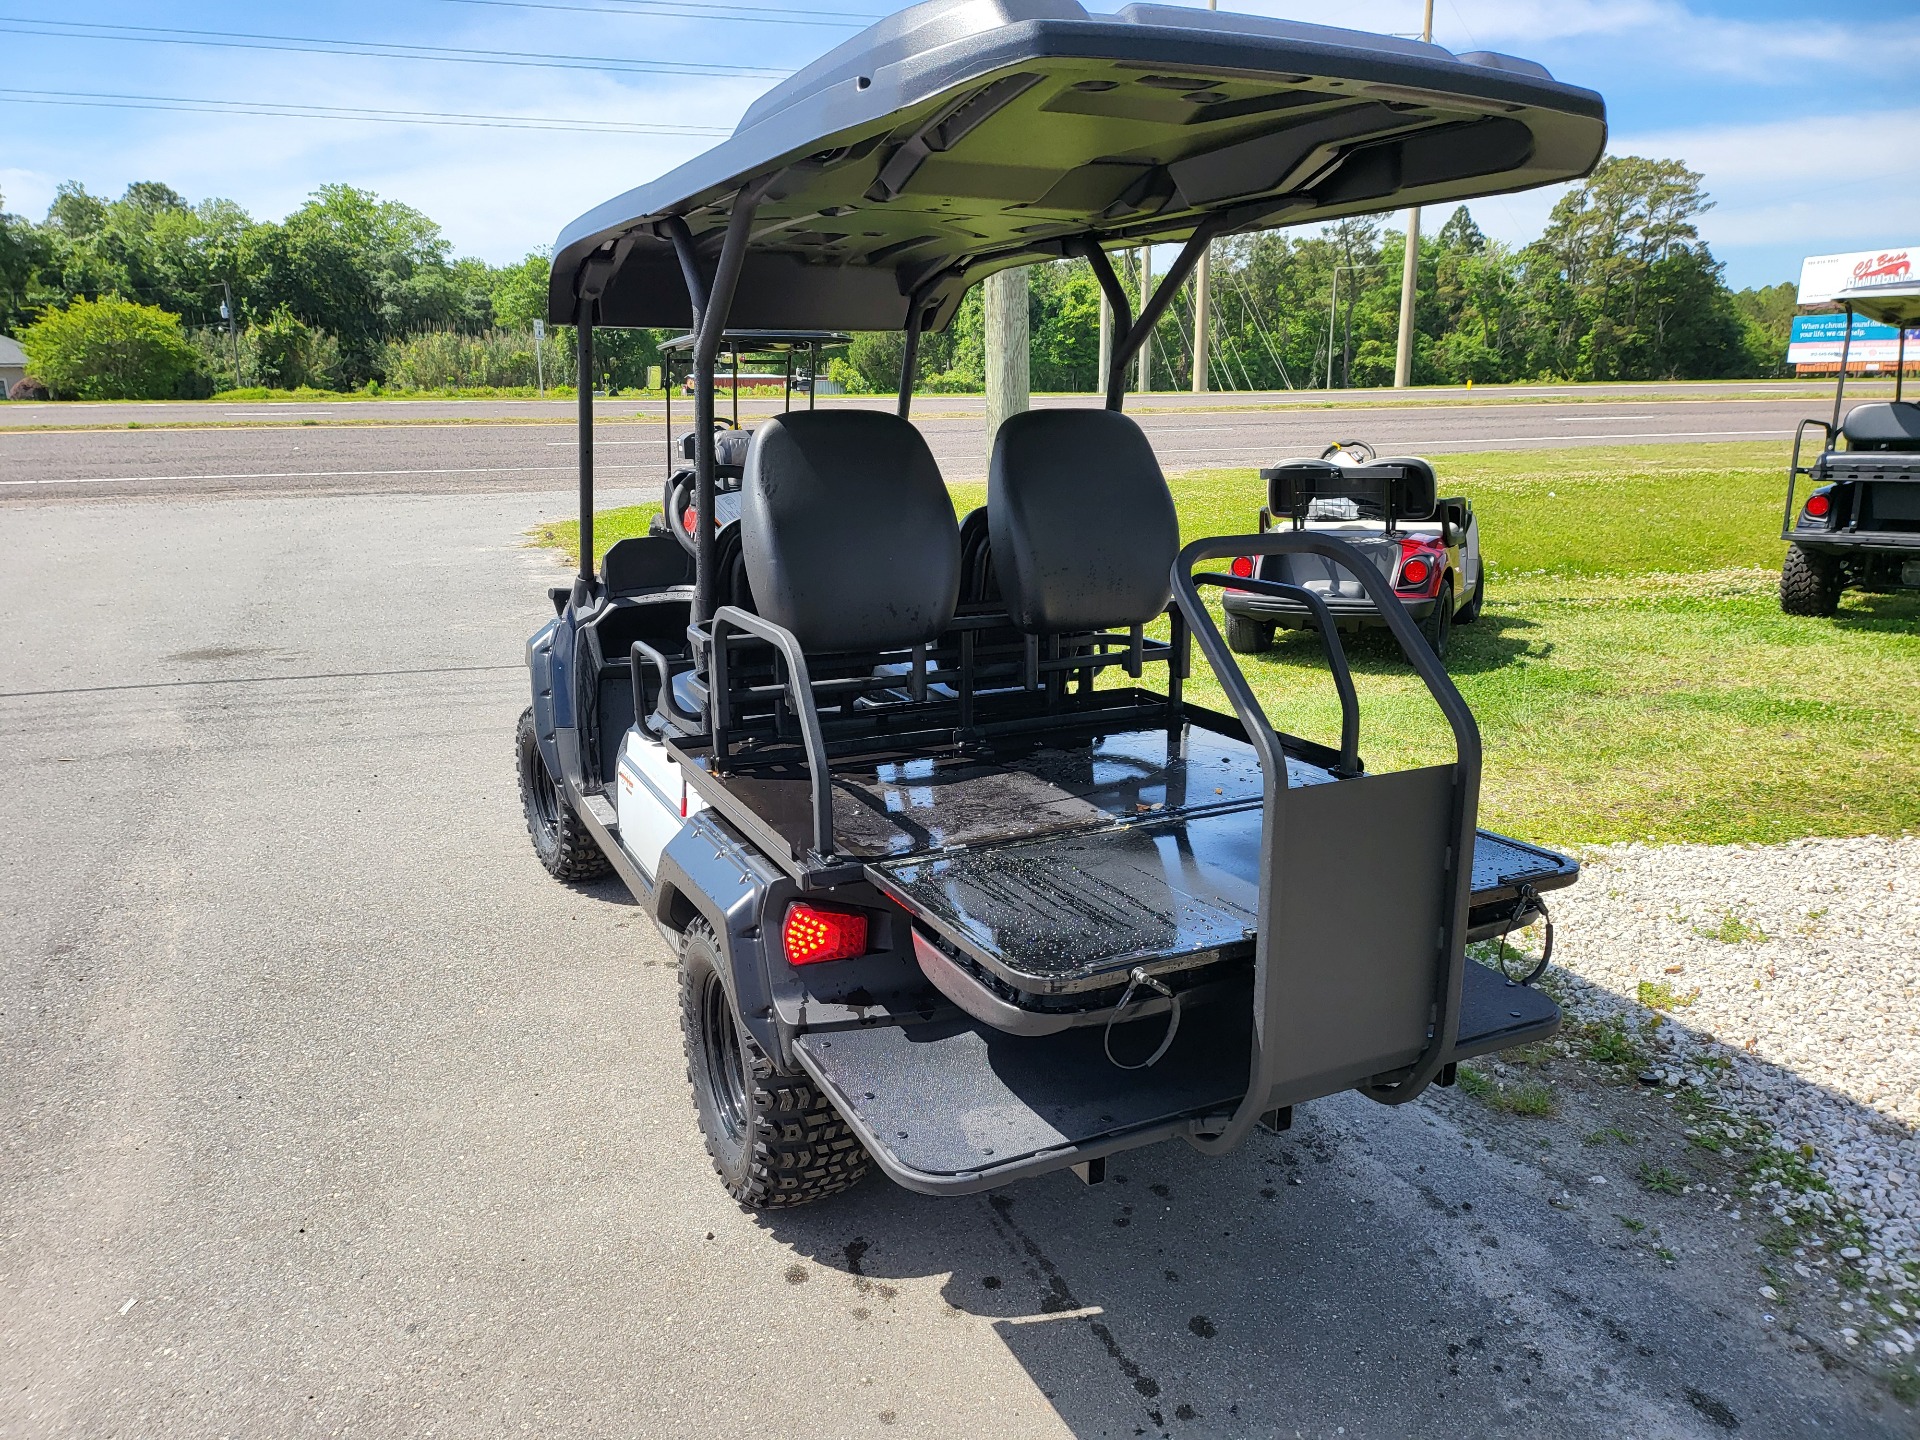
1130, 333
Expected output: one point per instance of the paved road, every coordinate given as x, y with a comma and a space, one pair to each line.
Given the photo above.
322, 458
401, 412
323, 1111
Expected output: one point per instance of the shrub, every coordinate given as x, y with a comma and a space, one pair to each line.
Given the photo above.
449, 360
289, 354
28, 389
109, 349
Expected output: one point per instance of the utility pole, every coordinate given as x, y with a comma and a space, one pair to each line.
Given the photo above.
1410, 270
1146, 343
233, 332
1008, 391
1200, 288
539, 361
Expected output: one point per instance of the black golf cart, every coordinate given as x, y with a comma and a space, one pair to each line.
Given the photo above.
1859, 525
1425, 546
961, 881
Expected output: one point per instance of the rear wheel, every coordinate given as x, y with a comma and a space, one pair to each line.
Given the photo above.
560, 837
1810, 583
775, 1140
1437, 628
1246, 636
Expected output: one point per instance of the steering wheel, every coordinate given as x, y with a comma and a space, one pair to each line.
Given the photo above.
1359, 449
675, 513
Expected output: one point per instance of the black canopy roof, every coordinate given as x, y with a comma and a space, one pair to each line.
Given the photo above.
960, 137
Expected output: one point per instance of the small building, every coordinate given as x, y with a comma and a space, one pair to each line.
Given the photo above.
13, 364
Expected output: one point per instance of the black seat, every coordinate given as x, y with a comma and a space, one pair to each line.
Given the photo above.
729, 451
1883, 425
1083, 526
847, 532
1405, 479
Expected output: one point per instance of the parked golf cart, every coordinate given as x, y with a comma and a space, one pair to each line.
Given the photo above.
942, 902
1427, 549
676, 515
1859, 526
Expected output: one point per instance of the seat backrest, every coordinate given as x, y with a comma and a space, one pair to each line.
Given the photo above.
729, 449
1083, 526
1409, 479
1883, 425
848, 532
645, 562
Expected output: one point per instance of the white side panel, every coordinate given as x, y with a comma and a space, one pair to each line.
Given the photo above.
654, 799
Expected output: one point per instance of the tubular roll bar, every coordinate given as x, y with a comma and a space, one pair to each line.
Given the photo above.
1270, 998
729, 618
1329, 640
583, 410
1795, 470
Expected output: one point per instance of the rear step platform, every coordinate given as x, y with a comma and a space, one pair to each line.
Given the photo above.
955, 1106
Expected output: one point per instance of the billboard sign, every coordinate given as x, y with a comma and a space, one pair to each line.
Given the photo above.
1817, 339
1824, 276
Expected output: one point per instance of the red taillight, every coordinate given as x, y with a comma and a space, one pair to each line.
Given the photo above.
1818, 506
690, 520
1243, 566
813, 935
1415, 572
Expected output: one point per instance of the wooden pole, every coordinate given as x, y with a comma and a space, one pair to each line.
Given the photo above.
1200, 288
1008, 391
1410, 272
1145, 382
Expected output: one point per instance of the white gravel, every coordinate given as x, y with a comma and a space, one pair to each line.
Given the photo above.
1806, 960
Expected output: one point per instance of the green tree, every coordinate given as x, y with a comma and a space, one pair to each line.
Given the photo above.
518, 293
109, 349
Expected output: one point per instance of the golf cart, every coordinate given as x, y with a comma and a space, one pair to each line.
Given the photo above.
961, 882
1427, 549
1859, 526
677, 510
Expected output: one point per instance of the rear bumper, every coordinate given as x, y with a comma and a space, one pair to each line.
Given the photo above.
1348, 612
1846, 542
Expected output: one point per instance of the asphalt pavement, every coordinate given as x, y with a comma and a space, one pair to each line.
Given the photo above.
323, 1111
332, 452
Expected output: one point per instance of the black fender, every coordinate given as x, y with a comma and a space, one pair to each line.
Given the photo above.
540, 675
552, 674
707, 871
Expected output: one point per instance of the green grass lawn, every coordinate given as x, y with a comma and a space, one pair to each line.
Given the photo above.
1633, 676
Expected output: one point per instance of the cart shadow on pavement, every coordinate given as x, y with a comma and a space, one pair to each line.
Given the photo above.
1396, 1271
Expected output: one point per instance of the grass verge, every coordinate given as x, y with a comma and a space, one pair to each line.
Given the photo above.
1633, 676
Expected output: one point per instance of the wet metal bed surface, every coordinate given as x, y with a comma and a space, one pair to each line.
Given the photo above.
1159, 858
950, 1103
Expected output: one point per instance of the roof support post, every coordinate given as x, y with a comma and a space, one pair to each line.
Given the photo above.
909, 357
1846, 349
1152, 309
1114, 380
706, 350
583, 390
677, 232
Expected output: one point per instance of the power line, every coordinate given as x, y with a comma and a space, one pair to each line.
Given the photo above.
689, 9
311, 45
271, 108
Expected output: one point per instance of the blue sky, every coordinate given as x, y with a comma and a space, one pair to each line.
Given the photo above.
1804, 117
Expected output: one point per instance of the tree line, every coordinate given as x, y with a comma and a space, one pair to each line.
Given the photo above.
352, 290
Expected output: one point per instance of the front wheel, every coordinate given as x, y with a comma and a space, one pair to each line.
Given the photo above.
1246, 636
1437, 628
560, 838
1810, 582
775, 1140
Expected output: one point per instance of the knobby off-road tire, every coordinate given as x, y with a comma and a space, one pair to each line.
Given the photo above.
1437, 628
775, 1140
1470, 612
1246, 636
560, 838
1810, 583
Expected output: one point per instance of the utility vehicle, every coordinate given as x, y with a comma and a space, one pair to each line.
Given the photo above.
1859, 525
963, 883
1425, 547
